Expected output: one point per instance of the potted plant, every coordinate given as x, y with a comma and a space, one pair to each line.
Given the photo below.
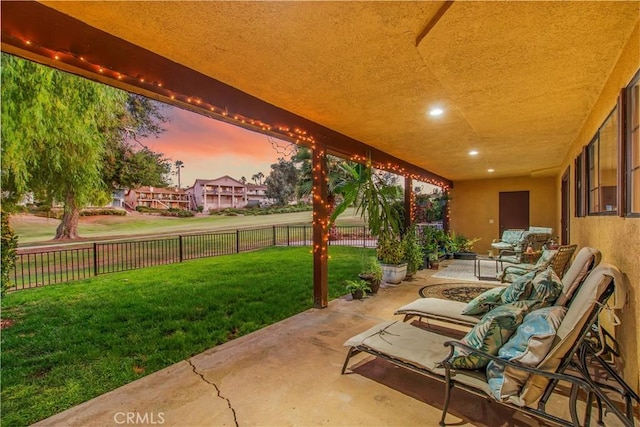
465, 247
434, 261
427, 241
451, 246
391, 254
413, 251
358, 288
371, 273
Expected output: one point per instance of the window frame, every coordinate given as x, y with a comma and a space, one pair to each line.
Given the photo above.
593, 160
579, 184
627, 147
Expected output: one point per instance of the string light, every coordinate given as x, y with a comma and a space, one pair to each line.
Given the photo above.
297, 135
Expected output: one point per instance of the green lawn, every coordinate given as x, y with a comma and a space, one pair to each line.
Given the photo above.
72, 342
31, 229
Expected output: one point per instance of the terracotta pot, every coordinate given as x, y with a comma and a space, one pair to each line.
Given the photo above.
357, 294
373, 283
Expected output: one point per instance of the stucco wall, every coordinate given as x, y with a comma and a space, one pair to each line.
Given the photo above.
618, 238
475, 204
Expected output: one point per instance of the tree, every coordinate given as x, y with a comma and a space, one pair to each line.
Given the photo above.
179, 165
257, 178
335, 174
281, 182
8, 247
243, 180
59, 133
373, 198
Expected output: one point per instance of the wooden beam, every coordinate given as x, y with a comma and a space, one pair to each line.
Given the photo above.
42, 34
320, 227
433, 21
408, 202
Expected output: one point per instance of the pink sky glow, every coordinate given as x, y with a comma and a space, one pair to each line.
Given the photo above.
210, 148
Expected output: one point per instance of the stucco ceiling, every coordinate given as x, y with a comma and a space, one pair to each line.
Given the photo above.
516, 79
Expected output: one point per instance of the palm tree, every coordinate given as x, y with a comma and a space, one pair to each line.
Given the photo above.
179, 165
335, 175
373, 198
257, 178
243, 180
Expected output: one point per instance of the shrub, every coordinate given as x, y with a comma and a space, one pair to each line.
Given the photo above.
9, 246
178, 213
95, 212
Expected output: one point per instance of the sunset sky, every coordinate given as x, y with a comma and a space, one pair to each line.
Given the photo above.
211, 148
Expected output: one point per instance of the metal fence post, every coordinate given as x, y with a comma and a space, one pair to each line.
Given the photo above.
364, 236
304, 235
180, 247
95, 259
288, 239
274, 235
237, 241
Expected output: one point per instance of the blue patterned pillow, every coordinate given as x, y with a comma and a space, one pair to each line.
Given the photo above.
520, 288
491, 332
528, 346
484, 302
546, 287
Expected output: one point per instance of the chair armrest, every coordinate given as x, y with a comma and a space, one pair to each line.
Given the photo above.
534, 371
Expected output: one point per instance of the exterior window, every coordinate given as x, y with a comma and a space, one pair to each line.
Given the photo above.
632, 152
602, 167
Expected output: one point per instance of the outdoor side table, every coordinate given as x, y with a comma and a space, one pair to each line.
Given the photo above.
478, 263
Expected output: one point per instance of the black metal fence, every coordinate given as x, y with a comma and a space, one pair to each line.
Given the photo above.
40, 268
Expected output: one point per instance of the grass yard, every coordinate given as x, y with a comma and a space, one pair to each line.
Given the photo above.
34, 230
72, 342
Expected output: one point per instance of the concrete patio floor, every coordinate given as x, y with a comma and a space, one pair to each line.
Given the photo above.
289, 374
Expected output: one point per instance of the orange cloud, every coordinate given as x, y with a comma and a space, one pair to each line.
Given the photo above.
210, 148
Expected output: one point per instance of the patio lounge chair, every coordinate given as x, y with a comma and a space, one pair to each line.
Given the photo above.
536, 241
510, 238
558, 259
536, 377
451, 311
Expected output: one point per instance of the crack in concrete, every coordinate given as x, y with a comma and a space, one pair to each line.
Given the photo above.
233, 411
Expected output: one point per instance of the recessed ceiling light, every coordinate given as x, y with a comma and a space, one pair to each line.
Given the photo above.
436, 111
490, 170
473, 152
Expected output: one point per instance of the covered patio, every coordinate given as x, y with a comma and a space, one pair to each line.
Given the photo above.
289, 374
480, 98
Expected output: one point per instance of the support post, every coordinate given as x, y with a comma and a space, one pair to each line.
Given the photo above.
320, 228
408, 202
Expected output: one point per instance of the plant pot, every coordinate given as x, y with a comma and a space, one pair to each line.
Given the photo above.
465, 255
425, 262
373, 283
393, 273
435, 265
357, 294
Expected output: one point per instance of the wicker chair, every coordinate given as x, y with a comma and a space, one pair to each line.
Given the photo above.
558, 259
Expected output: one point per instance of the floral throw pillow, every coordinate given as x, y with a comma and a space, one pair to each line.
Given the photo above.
520, 289
484, 302
528, 346
492, 332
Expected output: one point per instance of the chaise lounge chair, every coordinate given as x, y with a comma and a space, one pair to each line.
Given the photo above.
525, 380
451, 311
